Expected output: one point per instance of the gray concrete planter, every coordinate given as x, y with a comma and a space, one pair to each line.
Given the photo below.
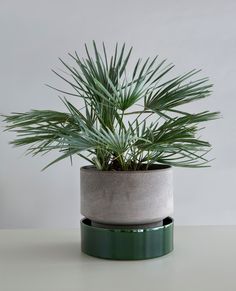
126, 197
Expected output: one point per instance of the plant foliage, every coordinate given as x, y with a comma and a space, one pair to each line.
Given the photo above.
127, 122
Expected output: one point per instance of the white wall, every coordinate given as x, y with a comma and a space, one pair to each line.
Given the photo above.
192, 34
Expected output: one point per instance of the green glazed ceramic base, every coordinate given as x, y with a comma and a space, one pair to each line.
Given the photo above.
127, 244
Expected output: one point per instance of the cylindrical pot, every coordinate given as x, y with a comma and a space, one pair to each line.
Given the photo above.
126, 197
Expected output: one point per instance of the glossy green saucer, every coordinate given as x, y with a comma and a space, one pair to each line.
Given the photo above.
127, 243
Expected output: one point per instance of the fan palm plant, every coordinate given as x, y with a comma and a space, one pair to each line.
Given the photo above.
127, 122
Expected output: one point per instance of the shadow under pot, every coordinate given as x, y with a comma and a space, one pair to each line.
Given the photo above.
126, 198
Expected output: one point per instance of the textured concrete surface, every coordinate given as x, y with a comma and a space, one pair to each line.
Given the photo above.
126, 197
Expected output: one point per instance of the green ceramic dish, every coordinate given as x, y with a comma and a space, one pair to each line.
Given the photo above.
127, 244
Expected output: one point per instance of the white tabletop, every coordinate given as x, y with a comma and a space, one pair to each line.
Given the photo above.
204, 259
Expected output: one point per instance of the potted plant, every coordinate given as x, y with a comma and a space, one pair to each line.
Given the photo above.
131, 129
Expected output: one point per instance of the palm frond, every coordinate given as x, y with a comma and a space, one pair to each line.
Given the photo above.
100, 132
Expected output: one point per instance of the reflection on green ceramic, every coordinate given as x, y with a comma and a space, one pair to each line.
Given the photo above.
127, 244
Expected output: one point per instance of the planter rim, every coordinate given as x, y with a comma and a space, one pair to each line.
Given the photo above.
160, 168
167, 222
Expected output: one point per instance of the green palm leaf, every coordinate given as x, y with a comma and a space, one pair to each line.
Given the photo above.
158, 130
